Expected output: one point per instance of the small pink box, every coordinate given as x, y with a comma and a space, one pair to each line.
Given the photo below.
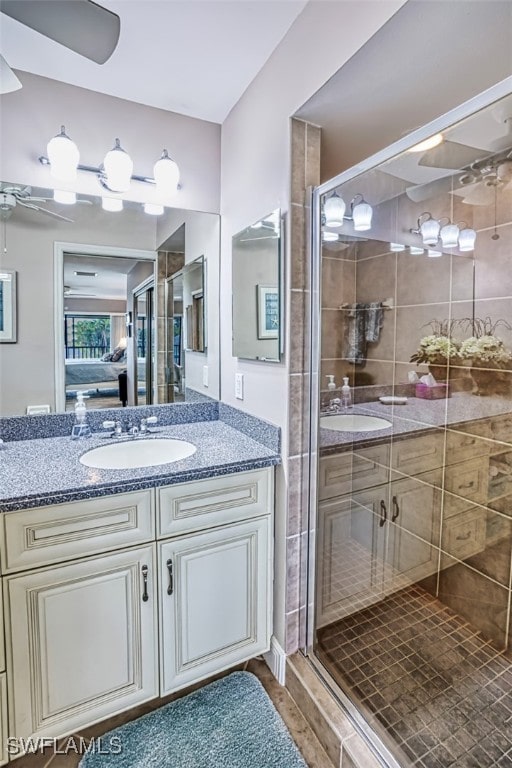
437, 392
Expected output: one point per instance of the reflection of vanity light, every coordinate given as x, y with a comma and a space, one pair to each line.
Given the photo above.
430, 143
396, 247
362, 213
467, 239
415, 251
434, 254
64, 197
112, 204
153, 209
334, 210
329, 237
449, 235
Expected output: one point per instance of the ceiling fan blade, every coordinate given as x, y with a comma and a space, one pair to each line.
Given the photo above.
422, 192
81, 25
44, 210
450, 154
8, 80
476, 194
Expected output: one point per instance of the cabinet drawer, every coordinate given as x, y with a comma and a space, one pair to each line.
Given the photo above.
45, 535
346, 472
501, 427
469, 479
415, 455
207, 503
464, 534
461, 446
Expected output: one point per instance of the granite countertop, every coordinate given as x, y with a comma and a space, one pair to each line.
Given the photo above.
46, 471
416, 416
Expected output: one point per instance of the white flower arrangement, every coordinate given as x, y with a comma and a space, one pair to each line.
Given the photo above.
485, 349
436, 349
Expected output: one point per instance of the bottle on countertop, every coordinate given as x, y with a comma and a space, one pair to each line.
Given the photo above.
331, 383
346, 394
80, 427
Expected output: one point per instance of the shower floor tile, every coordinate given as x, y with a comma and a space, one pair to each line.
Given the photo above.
436, 685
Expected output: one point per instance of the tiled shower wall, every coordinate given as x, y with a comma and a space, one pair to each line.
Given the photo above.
305, 172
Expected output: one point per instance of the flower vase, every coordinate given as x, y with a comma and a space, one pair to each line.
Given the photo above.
485, 381
439, 371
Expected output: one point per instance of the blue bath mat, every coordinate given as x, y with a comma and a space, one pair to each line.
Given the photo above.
228, 724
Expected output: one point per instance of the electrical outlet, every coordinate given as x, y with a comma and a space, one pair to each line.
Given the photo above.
205, 375
34, 410
239, 386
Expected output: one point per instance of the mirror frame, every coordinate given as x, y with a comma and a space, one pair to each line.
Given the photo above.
60, 248
259, 290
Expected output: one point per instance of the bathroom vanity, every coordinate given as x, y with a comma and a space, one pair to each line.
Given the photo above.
133, 589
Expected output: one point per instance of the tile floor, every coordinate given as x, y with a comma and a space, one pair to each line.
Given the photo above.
440, 689
302, 734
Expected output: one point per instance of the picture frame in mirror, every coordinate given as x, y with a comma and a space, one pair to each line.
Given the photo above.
8, 308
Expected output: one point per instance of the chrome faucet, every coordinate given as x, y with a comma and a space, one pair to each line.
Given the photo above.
132, 430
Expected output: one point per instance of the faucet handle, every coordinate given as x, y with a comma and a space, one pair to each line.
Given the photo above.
108, 424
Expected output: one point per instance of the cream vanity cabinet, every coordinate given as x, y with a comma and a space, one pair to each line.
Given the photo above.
182, 592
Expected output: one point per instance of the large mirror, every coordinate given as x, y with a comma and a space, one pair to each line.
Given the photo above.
257, 304
92, 307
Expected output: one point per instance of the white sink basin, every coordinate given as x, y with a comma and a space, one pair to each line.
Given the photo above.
354, 422
137, 453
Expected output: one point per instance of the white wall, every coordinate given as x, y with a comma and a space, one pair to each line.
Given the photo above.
33, 114
256, 159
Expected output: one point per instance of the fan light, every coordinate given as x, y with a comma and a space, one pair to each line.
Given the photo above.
112, 204
167, 176
430, 143
329, 237
153, 209
415, 251
64, 197
449, 235
396, 247
362, 214
334, 210
467, 239
118, 167
434, 254
63, 156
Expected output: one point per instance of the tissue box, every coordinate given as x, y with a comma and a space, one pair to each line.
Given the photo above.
437, 392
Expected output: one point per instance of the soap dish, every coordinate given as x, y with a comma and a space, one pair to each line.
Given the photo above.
393, 400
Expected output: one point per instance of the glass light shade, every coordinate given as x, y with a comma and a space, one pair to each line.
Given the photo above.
167, 175
153, 209
430, 231
396, 247
362, 216
64, 156
434, 254
414, 251
467, 239
118, 167
334, 210
112, 204
430, 143
64, 197
329, 237
449, 235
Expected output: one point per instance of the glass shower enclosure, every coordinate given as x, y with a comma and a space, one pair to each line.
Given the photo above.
410, 588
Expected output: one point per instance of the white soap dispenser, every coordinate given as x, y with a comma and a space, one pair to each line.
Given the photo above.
346, 394
331, 383
80, 427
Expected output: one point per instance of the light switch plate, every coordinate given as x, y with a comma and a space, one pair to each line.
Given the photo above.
239, 386
35, 410
205, 375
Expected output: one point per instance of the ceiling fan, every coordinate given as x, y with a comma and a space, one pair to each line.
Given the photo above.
83, 26
480, 182
11, 196
70, 293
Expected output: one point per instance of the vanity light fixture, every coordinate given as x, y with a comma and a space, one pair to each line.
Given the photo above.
115, 173
415, 251
153, 209
63, 156
64, 197
112, 204
329, 237
428, 229
396, 247
362, 213
449, 234
334, 210
467, 238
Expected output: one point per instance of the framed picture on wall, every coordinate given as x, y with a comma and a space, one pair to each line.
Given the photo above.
7, 305
268, 311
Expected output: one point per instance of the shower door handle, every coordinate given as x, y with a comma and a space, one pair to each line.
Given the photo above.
396, 510
383, 513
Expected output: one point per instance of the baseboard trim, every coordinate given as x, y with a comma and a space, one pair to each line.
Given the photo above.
276, 660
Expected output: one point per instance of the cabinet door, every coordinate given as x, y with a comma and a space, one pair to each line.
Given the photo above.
82, 642
214, 601
351, 548
413, 530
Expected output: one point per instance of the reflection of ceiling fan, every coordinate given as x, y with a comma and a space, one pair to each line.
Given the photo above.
479, 183
10, 197
81, 25
69, 293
